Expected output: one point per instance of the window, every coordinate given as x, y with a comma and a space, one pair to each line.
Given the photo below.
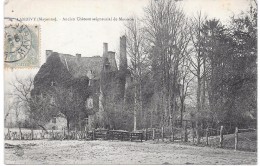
52, 100
86, 121
89, 103
53, 120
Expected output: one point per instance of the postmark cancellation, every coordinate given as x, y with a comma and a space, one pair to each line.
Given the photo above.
21, 44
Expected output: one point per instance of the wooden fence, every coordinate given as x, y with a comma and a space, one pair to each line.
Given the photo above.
95, 134
164, 133
209, 136
244, 141
40, 134
224, 139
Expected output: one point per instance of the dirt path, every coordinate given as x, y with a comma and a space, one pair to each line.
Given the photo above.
117, 152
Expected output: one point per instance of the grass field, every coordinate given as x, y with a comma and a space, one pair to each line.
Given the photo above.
120, 152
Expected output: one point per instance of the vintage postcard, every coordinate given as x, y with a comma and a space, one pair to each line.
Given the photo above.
140, 82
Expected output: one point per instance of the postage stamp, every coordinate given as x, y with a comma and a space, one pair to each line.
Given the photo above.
21, 44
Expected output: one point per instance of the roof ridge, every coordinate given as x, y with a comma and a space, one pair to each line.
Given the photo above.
82, 67
94, 56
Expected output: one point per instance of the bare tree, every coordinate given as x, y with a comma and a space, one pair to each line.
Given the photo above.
198, 66
137, 51
185, 80
8, 108
21, 89
17, 107
167, 31
36, 106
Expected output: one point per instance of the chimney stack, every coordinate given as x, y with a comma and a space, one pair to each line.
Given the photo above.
48, 53
123, 59
112, 60
78, 56
105, 50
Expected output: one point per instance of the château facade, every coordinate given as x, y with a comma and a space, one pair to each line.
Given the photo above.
107, 82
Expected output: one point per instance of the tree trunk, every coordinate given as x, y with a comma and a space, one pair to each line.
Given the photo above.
182, 110
171, 116
198, 132
80, 127
135, 107
185, 132
43, 128
151, 116
221, 137
198, 106
68, 125
143, 118
203, 97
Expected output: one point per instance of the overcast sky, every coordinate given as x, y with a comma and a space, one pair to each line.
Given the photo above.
87, 37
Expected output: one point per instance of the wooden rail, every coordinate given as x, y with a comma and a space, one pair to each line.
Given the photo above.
145, 134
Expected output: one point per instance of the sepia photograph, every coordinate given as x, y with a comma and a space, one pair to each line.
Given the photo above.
140, 82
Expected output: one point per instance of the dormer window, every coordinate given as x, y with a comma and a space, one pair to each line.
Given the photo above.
53, 83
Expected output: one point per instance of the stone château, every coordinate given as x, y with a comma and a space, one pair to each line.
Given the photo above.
107, 80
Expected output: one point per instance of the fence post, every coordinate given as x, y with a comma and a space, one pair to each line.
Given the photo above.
8, 134
21, 135
42, 134
93, 134
172, 134
153, 134
162, 134
76, 134
221, 136
145, 134
32, 133
84, 133
236, 138
193, 136
52, 134
207, 136
64, 132
81, 134
185, 133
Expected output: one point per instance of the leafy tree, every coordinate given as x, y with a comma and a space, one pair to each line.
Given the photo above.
231, 53
70, 100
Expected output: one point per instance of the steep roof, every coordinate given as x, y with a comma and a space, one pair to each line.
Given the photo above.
81, 66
